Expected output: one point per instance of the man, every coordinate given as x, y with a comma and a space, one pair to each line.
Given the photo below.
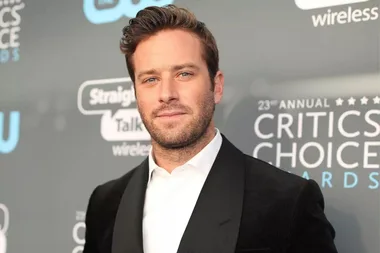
196, 192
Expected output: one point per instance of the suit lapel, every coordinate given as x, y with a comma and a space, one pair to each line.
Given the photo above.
127, 233
215, 221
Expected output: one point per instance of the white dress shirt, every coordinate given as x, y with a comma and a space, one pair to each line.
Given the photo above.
171, 197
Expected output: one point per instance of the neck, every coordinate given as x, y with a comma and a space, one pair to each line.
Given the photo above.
169, 159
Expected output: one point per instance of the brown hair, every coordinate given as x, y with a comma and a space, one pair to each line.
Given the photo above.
153, 19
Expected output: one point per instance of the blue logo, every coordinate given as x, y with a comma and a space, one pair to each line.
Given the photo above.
108, 11
9, 144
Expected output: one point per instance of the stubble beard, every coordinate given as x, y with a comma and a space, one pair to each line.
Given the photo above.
171, 137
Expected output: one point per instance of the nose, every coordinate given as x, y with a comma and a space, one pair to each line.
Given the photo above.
168, 90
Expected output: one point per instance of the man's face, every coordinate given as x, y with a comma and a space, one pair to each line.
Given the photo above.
173, 88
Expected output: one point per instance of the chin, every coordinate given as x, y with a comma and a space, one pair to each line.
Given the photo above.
177, 140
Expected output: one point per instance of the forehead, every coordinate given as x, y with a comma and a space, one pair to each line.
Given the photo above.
168, 48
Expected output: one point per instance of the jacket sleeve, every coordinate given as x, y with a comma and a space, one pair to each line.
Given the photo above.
311, 231
90, 245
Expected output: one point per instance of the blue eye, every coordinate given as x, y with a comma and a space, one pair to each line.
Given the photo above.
149, 80
185, 74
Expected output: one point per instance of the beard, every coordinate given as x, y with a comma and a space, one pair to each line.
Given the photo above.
178, 135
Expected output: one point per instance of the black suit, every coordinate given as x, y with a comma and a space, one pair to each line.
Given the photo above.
246, 205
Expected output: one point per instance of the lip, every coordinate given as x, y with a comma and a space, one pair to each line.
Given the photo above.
170, 114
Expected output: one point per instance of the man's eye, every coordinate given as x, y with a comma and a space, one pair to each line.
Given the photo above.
185, 74
149, 80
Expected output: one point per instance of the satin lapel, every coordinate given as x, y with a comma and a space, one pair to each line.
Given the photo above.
215, 221
127, 233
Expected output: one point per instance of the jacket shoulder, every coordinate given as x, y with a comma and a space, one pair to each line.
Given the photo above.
113, 189
280, 186
291, 208
102, 208
273, 178
271, 170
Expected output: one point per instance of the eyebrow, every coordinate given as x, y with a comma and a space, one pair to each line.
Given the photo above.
172, 68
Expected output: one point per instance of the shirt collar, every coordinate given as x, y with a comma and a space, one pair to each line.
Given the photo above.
204, 159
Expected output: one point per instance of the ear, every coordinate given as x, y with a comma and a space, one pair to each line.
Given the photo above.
219, 86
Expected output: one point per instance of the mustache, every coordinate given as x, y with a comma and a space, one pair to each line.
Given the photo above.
170, 107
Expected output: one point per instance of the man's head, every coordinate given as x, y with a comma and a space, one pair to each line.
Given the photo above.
173, 61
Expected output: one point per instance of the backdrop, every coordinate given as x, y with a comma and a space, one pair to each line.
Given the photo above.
302, 92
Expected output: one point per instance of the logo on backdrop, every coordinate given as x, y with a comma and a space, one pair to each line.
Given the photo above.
115, 100
335, 141
9, 133
350, 14
108, 11
79, 230
4, 225
10, 20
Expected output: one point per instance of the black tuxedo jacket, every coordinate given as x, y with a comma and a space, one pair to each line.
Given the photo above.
246, 205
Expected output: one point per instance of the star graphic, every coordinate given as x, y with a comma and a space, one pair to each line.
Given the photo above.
364, 100
376, 100
351, 101
339, 102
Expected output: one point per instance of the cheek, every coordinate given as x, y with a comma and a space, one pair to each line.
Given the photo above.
198, 95
146, 97
142, 101
202, 101
143, 106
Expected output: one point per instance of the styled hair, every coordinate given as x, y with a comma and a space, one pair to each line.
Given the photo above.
153, 19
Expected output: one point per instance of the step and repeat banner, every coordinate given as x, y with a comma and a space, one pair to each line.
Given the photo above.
302, 92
